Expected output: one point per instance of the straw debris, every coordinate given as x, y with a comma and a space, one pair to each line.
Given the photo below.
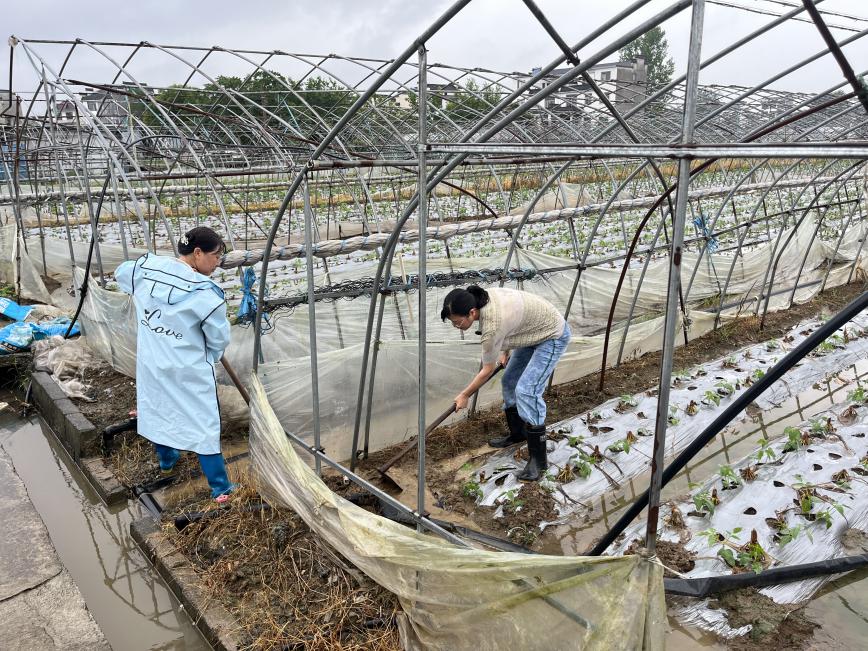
286, 588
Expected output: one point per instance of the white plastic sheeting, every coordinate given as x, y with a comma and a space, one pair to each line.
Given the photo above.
772, 503
15, 266
285, 364
457, 598
59, 265
691, 409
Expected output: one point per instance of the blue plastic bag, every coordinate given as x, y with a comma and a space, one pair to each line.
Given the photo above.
56, 326
11, 310
15, 338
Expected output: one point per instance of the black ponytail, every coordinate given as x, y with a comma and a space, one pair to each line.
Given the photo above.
200, 237
459, 302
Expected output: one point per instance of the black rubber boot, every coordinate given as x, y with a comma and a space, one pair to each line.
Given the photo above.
536, 448
516, 429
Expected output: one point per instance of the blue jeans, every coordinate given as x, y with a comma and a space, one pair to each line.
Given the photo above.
527, 374
213, 467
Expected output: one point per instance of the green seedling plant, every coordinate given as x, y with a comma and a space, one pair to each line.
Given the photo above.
788, 534
714, 537
794, 439
712, 397
774, 344
858, 395
820, 427
739, 557
673, 418
510, 501
703, 502
574, 441
765, 452
758, 374
471, 490
523, 535
626, 402
620, 446
729, 477
724, 388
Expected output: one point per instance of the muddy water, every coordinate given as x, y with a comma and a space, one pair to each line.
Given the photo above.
841, 608
129, 602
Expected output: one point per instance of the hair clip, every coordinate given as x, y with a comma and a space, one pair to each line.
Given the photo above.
184, 240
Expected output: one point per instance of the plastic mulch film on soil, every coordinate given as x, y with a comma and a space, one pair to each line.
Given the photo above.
605, 447
284, 368
11, 272
790, 502
463, 598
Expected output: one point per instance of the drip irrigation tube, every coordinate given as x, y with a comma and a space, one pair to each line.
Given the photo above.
738, 405
707, 585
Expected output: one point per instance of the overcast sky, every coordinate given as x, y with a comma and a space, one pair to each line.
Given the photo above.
495, 34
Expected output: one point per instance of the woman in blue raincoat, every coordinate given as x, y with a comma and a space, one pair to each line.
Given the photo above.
182, 333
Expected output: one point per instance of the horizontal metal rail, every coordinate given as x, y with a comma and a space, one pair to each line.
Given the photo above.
857, 149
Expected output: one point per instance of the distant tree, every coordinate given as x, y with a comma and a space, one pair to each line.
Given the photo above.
473, 101
653, 47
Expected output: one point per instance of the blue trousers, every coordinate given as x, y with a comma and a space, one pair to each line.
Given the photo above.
526, 375
213, 467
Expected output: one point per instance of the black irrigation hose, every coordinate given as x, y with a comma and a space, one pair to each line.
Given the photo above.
738, 405
707, 585
83, 289
110, 432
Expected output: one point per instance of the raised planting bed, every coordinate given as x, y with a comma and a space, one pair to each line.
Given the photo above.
77, 435
598, 458
796, 500
608, 446
257, 578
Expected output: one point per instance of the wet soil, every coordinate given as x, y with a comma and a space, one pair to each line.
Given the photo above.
519, 517
112, 396
774, 625
131, 457
569, 399
286, 588
673, 556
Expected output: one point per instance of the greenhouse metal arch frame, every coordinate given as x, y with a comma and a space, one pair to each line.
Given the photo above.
520, 132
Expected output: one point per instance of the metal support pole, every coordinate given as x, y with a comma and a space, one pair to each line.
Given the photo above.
311, 318
422, 268
856, 84
119, 211
687, 127
51, 104
94, 233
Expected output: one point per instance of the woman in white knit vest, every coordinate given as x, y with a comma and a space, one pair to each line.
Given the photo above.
537, 335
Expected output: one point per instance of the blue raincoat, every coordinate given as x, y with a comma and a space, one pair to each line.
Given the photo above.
182, 333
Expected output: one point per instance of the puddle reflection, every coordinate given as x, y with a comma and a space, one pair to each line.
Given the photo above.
130, 603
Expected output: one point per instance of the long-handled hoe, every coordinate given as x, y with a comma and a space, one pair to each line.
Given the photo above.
411, 445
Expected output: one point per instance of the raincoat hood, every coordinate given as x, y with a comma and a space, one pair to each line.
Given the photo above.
173, 281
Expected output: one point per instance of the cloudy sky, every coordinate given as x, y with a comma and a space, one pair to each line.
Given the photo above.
493, 34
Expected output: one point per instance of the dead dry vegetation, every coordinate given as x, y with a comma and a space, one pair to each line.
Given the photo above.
286, 588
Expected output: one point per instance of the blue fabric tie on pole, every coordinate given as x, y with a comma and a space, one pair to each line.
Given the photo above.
247, 308
711, 243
